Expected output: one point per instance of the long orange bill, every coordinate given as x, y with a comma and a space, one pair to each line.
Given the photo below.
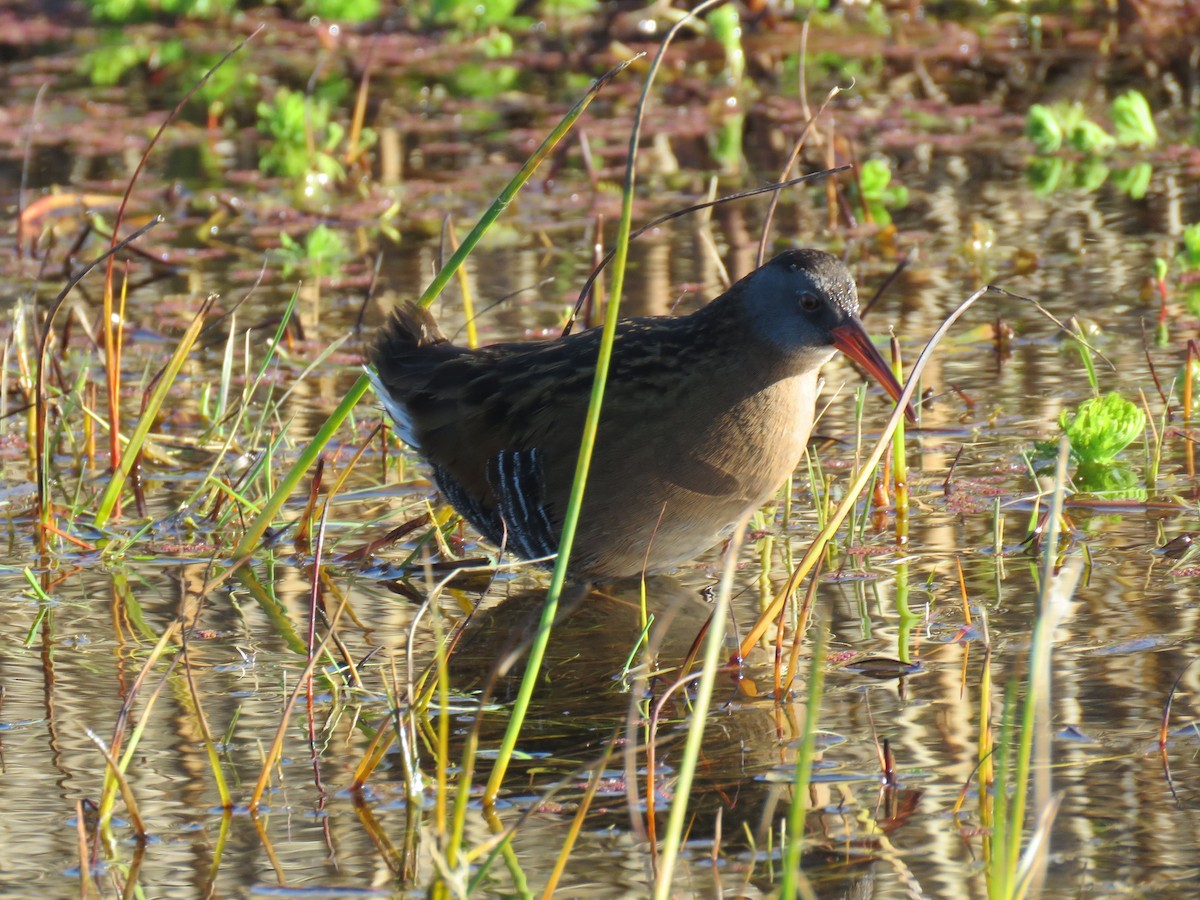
852, 340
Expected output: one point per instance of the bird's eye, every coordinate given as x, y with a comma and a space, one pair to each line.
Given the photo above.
809, 302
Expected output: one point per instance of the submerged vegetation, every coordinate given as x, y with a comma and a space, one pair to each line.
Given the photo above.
228, 575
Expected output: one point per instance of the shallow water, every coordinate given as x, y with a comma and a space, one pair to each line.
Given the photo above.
1128, 630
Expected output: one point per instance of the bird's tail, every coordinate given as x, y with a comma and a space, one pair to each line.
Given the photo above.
410, 327
398, 365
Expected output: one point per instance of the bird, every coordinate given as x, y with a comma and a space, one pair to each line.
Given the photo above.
704, 417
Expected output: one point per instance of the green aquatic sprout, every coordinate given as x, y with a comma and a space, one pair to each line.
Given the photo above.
726, 27
322, 254
878, 193
1191, 299
344, 10
1132, 120
125, 11
1043, 128
107, 64
287, 119
1050, 127
470, 15
485, 80
563, 8
1102, 427
1088, 137
1189, 258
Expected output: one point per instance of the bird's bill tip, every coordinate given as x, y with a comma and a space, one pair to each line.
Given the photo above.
852, 339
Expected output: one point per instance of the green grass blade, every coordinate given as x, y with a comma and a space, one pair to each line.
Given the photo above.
714, 645
108, 500
587, 442
793, 882
295, 474
510, 190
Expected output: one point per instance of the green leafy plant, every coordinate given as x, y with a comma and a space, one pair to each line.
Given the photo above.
1191, 299
878, 193
1189, 256
1064, 124
123, 11
344, 10
1043, 128
1102, 427
726, 27
482, 80
563, 8
1132, 120
1088, 137
322, 254
1051, 128
470, 15
290, 119
107, 64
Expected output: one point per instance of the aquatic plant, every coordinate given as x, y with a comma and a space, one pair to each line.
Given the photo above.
344, 10
123, 11
1051, 128
1189, 256
1088, 137
1132, 120
878, 193
107, 64
322, 254
291, 119
485, 79
470, 15
1047, 127
1102, 427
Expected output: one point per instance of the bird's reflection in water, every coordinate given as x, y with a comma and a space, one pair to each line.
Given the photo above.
588, 663
600, 679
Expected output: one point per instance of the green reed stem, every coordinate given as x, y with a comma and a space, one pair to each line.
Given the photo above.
537, 650
899, 459
714, 643
296, 473
442, 278
908, 619
998, 841
793, 883
1057, 586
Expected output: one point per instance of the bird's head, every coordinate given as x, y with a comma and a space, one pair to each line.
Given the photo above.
805, 303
